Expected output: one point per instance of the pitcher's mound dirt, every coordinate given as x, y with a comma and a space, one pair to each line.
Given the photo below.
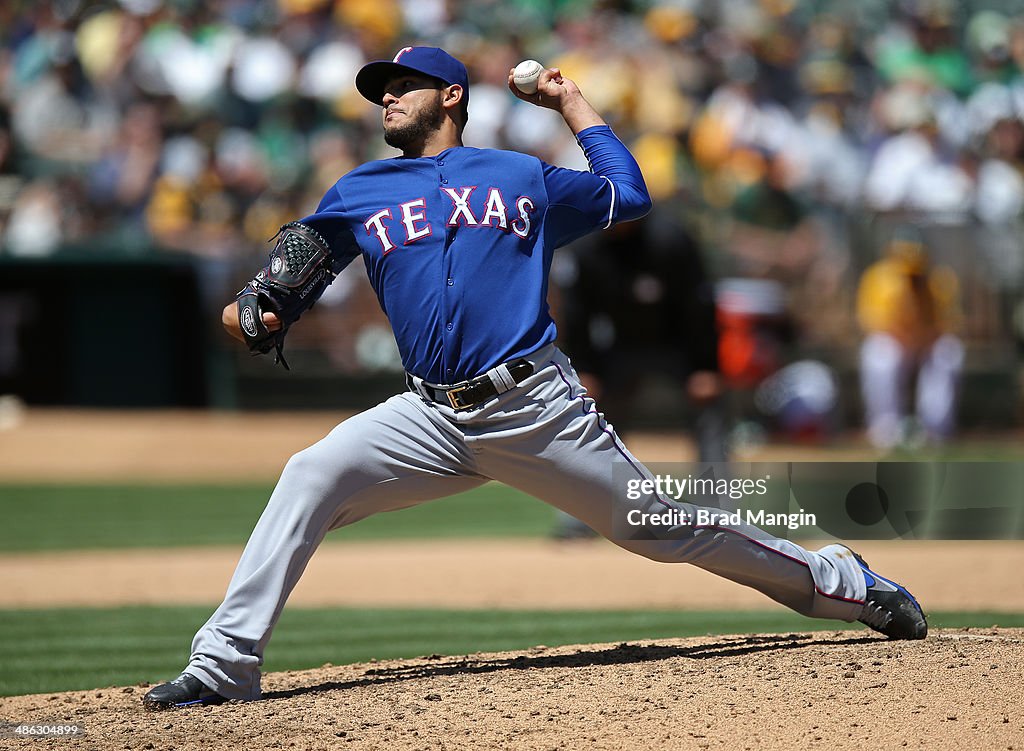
959, 689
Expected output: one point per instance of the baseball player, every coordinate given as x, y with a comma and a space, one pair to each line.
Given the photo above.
457, 243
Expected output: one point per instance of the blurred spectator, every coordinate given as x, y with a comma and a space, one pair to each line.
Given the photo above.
925, 42
829, 159
999, 203
773, 234
754, 328
121, 180
909, 311
777, 235
988, 39
1000, 191
914, 168
56, 116
35, 225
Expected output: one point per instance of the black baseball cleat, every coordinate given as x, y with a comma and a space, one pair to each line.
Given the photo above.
184, 691
889, 608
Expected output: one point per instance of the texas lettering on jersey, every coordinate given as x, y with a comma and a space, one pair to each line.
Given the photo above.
458, 245
407, 223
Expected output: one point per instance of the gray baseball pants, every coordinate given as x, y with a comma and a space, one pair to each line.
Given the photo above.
544, 437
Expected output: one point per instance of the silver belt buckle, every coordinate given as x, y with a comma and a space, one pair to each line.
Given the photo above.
453, 393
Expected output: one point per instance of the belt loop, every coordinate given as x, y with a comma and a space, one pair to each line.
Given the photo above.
501, 378
416, 384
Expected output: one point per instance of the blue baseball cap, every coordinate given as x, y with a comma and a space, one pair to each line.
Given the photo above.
431, 61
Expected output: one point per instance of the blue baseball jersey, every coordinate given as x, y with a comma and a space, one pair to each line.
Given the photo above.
458, 246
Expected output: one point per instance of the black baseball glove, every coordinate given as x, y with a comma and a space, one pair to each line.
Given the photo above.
300, 269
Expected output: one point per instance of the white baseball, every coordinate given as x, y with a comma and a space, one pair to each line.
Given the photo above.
525, 76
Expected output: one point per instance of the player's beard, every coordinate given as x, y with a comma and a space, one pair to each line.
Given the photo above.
415, 130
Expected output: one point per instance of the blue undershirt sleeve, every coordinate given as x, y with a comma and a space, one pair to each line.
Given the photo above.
581, 202
608, 157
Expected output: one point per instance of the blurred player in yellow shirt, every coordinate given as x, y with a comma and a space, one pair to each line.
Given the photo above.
909, 311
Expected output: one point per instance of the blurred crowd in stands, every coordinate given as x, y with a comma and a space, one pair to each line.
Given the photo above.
771, 125
204, 124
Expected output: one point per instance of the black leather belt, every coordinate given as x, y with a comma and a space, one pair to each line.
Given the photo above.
472, 392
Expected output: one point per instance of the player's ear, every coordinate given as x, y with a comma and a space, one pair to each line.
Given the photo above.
452, 95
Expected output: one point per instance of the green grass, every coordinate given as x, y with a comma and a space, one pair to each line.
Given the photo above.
67, 517
978, 501
45, 651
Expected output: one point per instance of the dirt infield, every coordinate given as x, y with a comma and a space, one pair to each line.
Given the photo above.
956, 690
204, 446
531, 574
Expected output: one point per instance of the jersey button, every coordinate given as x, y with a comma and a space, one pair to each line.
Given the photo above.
444, 181
450, 326
450, 281
440, 162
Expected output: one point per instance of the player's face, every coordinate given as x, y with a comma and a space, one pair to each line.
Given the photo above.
412, 110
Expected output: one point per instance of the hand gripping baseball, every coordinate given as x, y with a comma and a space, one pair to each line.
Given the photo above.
300, 269
551, 87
